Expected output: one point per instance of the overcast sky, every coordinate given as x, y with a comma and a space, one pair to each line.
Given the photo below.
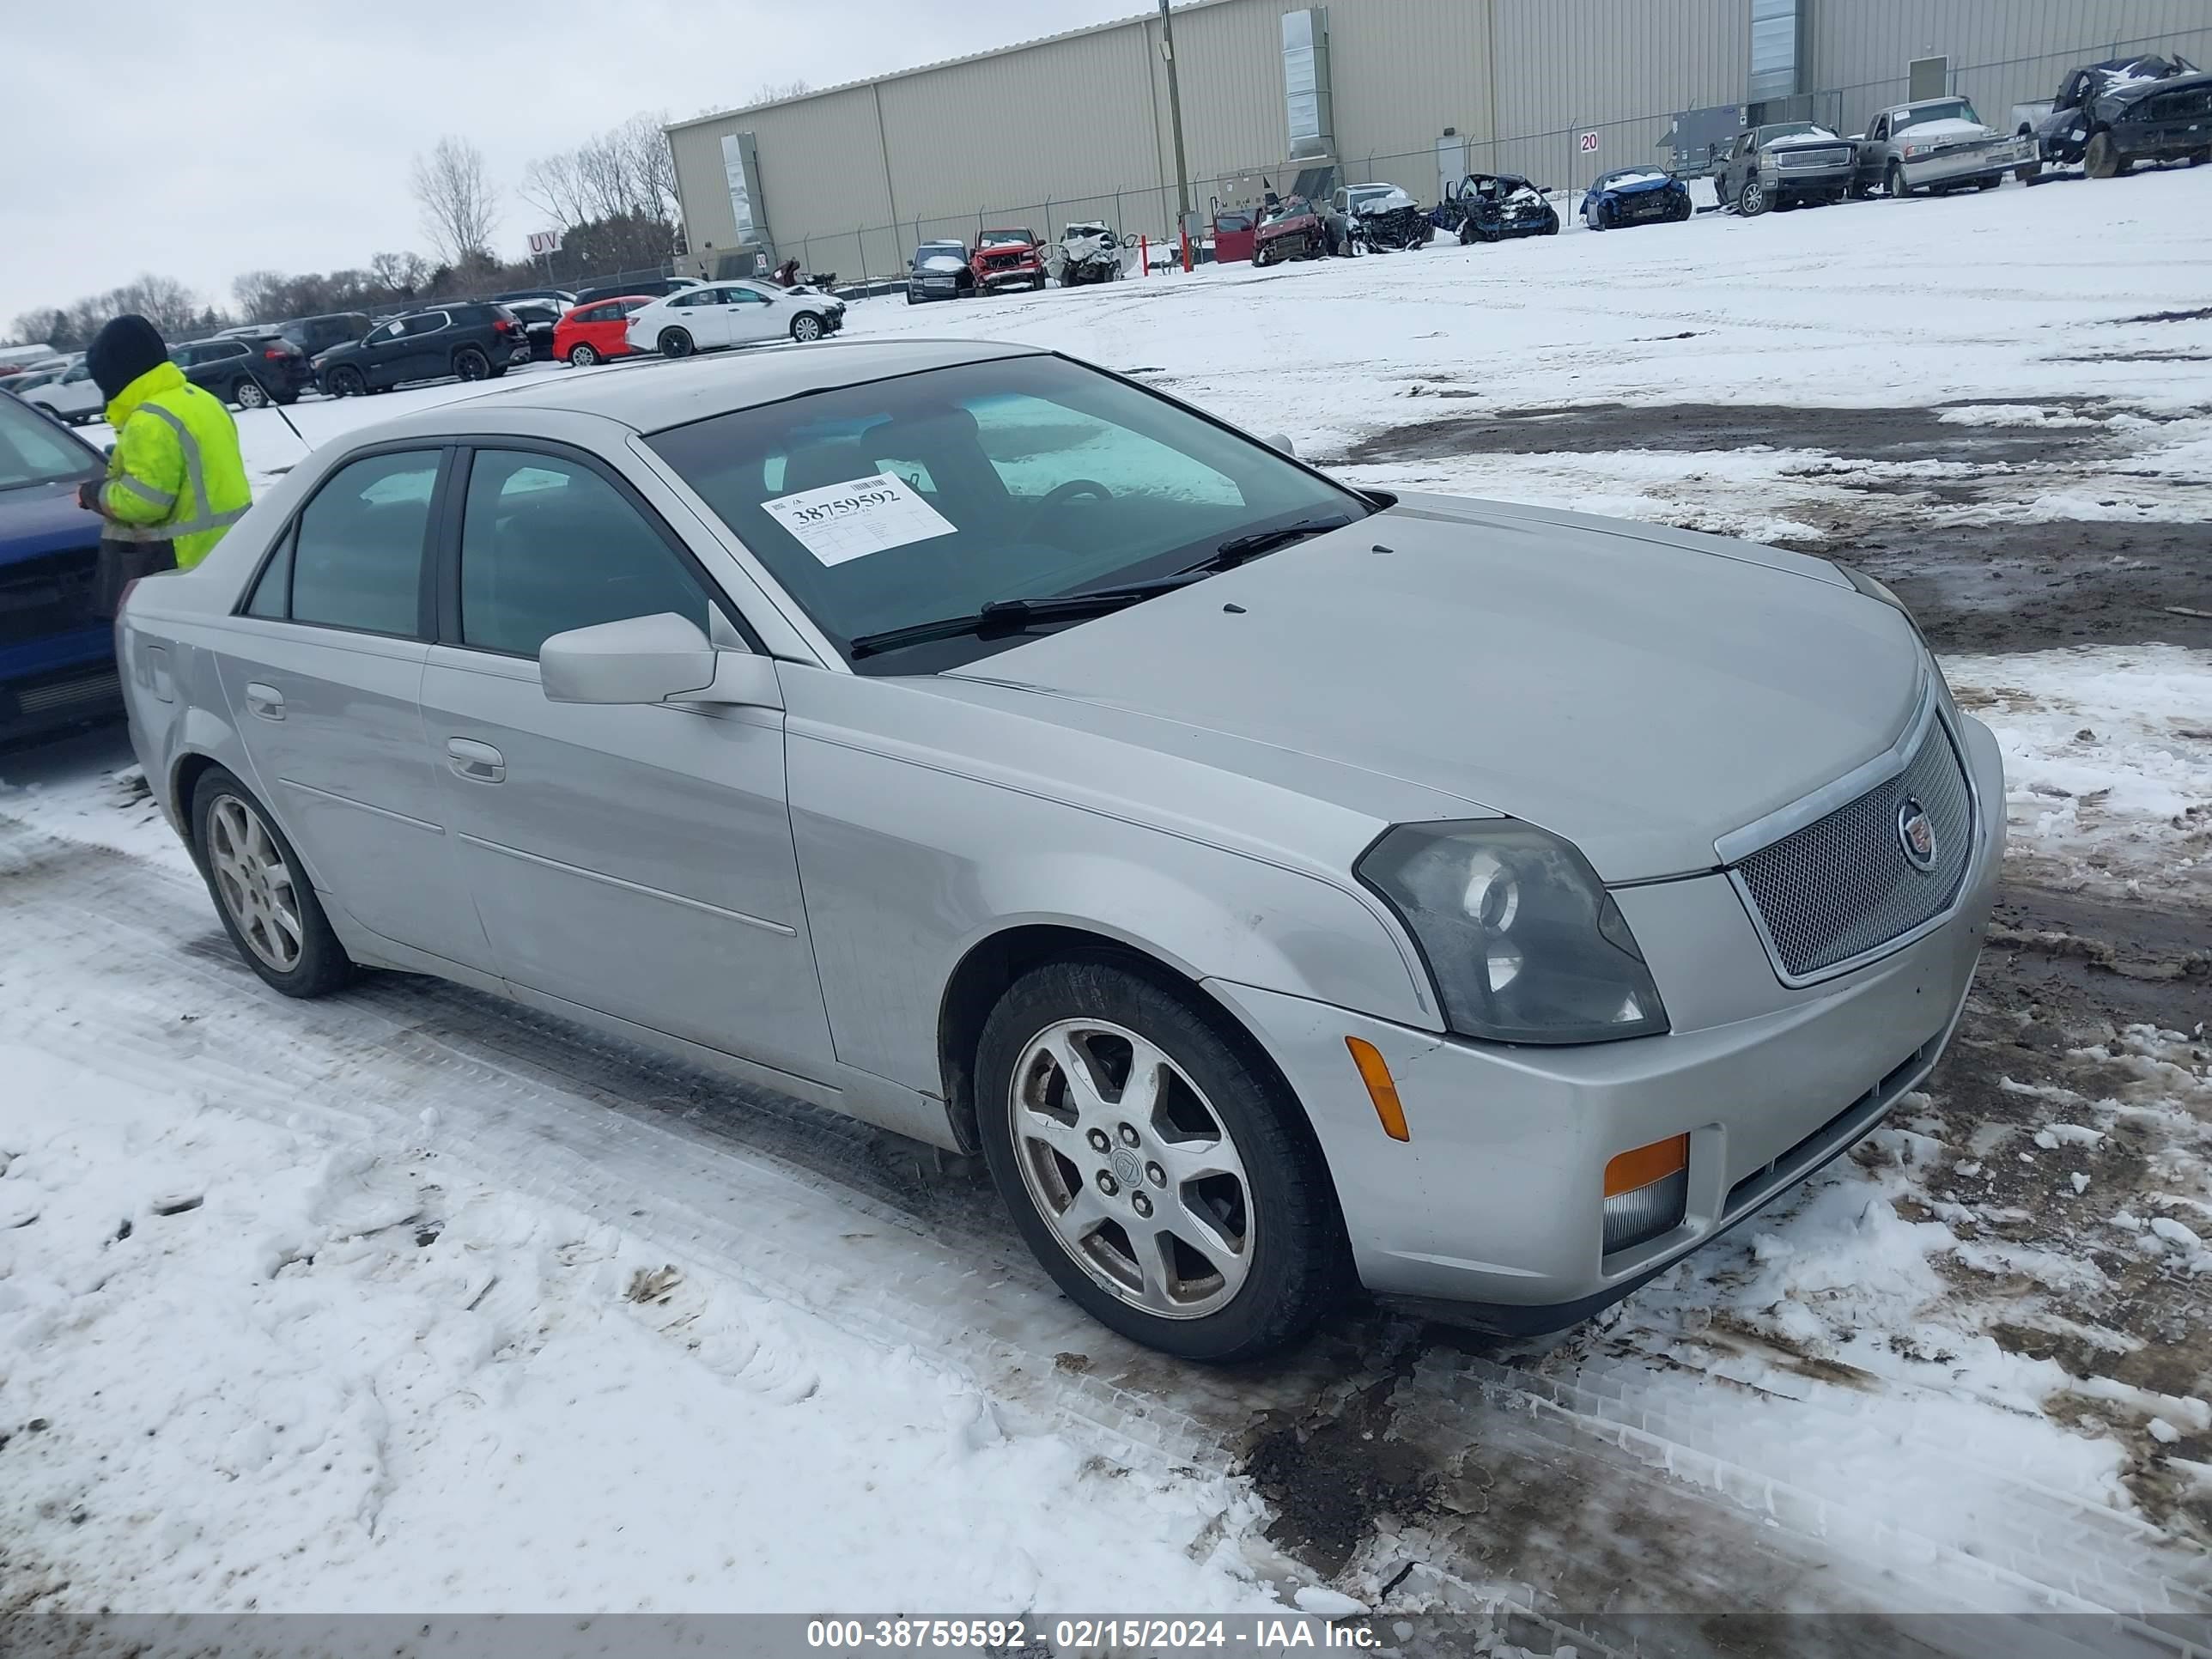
199, 141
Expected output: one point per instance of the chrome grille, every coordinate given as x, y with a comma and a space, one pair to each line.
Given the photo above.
1809, 155
1842, 887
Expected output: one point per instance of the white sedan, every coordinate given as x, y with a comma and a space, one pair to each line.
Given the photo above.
733, 313
72, 396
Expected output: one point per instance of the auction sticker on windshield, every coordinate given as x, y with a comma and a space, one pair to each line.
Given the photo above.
860, 516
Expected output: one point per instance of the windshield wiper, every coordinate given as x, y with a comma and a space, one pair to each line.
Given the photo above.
1237, 549
1003, 617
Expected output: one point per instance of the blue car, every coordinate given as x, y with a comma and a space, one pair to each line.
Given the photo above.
57, 656
1634, 196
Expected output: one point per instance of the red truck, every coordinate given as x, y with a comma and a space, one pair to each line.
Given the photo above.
1008, 258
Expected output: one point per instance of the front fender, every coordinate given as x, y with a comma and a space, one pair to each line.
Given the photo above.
907, 868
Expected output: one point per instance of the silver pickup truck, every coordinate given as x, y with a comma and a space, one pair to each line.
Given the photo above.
1937, 143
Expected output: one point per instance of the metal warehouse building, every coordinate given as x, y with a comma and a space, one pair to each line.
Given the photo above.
1414, 91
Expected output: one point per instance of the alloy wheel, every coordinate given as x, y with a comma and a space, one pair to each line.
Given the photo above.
252, 395
583, 356
256, 883
806, 326
1132, 1167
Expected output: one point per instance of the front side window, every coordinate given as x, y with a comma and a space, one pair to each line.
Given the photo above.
746, 296
357, 558
379, 336
929, 495
547, 545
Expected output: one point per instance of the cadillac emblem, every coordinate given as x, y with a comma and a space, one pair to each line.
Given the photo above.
1916, 834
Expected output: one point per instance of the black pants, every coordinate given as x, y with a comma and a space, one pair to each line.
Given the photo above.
122, 563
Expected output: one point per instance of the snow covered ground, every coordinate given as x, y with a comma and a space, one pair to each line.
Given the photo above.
412, 1300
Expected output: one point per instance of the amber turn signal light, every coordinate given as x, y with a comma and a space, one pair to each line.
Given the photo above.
1374, 1073
1647, 1165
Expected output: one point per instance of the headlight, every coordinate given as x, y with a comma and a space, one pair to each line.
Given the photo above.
1522, 940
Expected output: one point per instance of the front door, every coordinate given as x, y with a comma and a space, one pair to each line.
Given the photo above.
634, 861
751, 316
322, 675
1871, 169
425, 351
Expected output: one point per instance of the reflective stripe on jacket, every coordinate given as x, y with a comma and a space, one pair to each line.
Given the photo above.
176, 475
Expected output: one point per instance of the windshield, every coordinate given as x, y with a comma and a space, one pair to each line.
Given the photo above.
1004, 238
1767, 134
1291, 209
930, 495
1946, 109
34, 451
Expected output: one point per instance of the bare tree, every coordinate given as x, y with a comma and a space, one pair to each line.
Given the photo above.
769, 92
398, 275
554, 185
460, 207
652, 164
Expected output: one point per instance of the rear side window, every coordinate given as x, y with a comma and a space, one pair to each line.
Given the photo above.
547, 544
357, 554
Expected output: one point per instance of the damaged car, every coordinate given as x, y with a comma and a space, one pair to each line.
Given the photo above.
1293, 228
2062, 126
1089, 252
1008, 258
1489, 207
1635, 195
2151, 110
1383, 218
1935, 145
1784, 164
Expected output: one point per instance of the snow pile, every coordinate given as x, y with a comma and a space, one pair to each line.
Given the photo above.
251, 1369
2108, 759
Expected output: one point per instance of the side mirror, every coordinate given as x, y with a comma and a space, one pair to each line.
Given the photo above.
1280, 440
647, 660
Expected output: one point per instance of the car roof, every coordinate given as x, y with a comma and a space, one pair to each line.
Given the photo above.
655, 394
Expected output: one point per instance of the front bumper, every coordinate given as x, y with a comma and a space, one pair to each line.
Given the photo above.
1496, 1202
1987, 161
1832, 181
1022, 276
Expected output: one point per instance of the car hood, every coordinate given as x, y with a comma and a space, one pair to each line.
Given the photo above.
40, 518
1637, 186
1637, 690
1947, 130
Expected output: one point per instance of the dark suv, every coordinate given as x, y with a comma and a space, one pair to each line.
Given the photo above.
251, 370
314, 335
468, 339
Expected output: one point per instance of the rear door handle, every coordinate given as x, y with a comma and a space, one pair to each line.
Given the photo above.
266, 701
479, 763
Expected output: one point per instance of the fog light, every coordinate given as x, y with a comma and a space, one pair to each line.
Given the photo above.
1646, 1193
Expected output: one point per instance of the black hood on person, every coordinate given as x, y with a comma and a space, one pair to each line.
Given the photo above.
125, 348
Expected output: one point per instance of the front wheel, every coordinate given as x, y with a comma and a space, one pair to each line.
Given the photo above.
806, 327
1899, 190
250, 394
1160, 1173
1551, 223
2028, 172
267, 904
1754, 199
2102, 159
583, 356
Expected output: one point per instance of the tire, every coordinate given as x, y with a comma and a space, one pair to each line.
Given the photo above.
250, 394
470, 364
1551, 223
1683, 209
675, 343
345, 381
267, 906
498, 370
1893, 181
1274, 1219
582, 355
806, 328
1857, 191
2102, 159
2028, 172
1753, 199
1990, 182
910, 299
1605, 218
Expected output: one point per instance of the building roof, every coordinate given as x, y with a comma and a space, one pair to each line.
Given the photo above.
925, 68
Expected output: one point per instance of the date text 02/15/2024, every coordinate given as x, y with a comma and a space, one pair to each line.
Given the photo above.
1254, 1632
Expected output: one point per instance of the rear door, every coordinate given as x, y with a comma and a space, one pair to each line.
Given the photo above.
322, 671
633, 861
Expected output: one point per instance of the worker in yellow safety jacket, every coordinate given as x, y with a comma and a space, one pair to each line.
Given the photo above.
175, 480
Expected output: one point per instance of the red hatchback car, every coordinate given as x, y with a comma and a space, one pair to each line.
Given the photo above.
592, 333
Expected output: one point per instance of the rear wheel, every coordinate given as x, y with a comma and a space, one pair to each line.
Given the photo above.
1159, 1172
470, 364
267, 904
583, 356
675, 343
250, 394
806, 327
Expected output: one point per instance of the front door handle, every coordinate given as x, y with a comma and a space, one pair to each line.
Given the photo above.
479, 763
266, 701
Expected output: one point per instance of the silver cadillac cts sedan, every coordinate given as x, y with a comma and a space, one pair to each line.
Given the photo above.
1278, 883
